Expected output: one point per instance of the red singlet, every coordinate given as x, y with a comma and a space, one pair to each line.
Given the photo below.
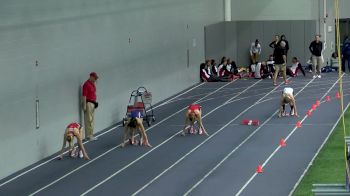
194, 107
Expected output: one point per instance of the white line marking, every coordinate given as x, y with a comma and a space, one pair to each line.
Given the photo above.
154, 148
168, 101
98, 135
187, 154
237, 147
101, 155
316, 154
278, 147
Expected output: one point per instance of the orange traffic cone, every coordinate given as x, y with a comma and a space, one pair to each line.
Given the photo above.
308, 113
337, 95
328, 98
318, 103
282, 143
314, 106
259, 169
298, 124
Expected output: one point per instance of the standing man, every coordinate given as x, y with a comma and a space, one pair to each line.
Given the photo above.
255, 50
89, 105
279, 55
346, 54
315, 48
274, 43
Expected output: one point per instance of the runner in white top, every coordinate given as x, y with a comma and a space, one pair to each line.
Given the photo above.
288, 98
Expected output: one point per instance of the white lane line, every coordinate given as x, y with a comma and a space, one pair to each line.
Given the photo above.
237, 147
154, 148
278, 147
98, 135
316, 154
103, 154
187, 154
170, 100
318, 151
54, 158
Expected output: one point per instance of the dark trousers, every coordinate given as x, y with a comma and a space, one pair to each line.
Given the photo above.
345, 59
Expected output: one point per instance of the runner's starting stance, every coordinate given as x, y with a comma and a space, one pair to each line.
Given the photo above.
288, 98
193, 115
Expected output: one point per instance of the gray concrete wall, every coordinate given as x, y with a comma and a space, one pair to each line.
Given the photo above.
253, 10
238, 35
128, 43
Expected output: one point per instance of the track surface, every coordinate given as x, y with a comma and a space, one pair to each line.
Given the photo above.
223, 163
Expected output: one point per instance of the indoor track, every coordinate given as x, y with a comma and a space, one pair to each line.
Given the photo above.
223, 163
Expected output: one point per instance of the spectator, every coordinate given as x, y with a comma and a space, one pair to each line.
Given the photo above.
206, 77
346, 53
334, 61
294, 69
89, 105
255, 50
280, 62
315, 48
271, 63
214, 68
283, 38
222, 68
265, 72
274, 43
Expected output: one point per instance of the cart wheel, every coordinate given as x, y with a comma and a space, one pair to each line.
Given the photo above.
153, 119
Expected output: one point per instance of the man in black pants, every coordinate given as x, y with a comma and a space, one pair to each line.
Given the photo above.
315, 48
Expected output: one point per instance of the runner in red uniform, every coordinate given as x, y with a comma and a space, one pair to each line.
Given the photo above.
193, 115
74, 130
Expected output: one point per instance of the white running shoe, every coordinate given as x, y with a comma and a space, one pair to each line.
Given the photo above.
292, 113
81, 154
319, 76
314, 76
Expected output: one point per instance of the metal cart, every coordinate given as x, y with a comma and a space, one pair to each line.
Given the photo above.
140, 100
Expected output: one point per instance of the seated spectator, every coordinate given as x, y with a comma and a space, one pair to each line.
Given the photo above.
214, 68
271, 63
257, 73
334, 61
206, 77
265, 71
222, 68
294, 69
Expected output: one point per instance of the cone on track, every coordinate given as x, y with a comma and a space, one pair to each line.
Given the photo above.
337, 95
314, 106
328, 98
318, 103
282, 143
250, 122
259, 169
308, 113
298, 124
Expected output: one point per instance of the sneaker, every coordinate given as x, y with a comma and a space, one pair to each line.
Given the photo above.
310, 71
319, 76
200, 131
314, 76
93, 138
286, 82
292, 113
81, 154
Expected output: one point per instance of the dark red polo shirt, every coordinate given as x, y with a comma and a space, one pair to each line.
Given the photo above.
89, 90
